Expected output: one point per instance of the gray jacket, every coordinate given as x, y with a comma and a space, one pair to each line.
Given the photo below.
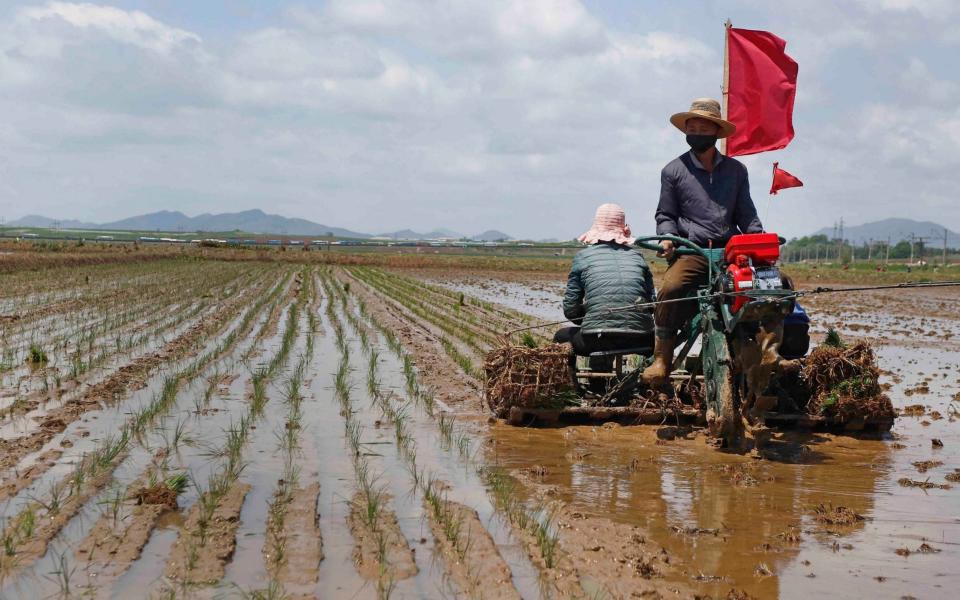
608, 275
705, 207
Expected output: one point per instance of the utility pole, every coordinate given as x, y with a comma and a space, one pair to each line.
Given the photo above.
911, 248
944, 246
886, 260
840, 243
870, 251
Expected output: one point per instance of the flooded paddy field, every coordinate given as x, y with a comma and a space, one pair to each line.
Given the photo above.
209, 429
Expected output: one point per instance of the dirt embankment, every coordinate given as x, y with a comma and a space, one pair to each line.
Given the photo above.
203, 559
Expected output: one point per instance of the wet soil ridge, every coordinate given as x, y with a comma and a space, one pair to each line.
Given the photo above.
128, 518
208, 537
472, 558
294, 547
381, 550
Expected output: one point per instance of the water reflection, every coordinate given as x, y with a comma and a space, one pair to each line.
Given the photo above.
725, 516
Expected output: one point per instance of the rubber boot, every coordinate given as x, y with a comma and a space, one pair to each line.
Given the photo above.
657, 373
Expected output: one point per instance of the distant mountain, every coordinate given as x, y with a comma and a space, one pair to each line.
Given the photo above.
253, 221
409, 234
492, 235
38, 221
895, 230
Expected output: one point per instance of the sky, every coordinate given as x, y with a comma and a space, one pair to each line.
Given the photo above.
380, 115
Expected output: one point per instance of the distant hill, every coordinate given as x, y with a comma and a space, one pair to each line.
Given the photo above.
895, 230
409, 234
253, 221
38, 221
492, 235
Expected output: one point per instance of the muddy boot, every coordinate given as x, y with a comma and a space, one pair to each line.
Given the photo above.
657, 373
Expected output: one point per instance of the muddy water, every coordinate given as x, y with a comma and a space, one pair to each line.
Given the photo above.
740, 522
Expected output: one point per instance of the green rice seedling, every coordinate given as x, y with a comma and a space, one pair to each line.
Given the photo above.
273, 591
177, 438
62, 575
36, 355
527, 339
26, 523
445, 423
113, 506
547, 539
53, 500
178, 483
463, 445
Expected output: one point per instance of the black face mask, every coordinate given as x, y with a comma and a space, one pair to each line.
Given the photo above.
701, 143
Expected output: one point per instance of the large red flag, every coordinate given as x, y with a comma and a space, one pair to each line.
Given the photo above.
761, 87
782, 179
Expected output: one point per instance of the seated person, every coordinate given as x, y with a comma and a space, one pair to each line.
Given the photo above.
609, 274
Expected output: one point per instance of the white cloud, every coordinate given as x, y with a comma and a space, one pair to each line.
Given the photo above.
379, 115
129, 27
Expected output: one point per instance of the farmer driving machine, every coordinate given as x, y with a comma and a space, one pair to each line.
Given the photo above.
741, 365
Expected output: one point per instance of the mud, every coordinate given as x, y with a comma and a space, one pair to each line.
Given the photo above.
196, 560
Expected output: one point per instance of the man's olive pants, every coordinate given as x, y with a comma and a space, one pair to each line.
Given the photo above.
684, 275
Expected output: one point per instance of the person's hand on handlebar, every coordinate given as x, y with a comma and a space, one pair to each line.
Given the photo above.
666, 249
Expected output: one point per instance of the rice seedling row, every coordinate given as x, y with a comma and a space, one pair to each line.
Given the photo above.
89, 475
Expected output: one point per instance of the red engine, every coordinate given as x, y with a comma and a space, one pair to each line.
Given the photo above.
751, 260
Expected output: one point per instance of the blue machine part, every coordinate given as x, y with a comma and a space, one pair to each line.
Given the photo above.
797, 317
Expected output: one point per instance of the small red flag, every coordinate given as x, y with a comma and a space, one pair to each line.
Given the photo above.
761, 88
782, 179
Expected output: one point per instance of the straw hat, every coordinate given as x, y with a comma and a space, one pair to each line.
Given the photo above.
704, 108
609, 225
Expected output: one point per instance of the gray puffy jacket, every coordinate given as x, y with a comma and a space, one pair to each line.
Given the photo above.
608, 275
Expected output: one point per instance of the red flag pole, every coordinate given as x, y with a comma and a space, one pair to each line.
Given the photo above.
725, 89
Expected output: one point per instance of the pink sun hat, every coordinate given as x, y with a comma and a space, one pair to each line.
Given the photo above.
609, 225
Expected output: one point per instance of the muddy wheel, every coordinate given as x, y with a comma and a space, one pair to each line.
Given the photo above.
729, 425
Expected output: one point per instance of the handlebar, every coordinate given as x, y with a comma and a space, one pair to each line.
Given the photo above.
684, 246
